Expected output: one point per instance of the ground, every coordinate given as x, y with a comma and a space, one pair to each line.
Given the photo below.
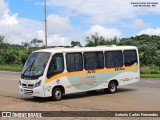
141, 96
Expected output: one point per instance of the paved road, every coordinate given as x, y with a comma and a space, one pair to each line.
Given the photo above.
9, 83
144, 95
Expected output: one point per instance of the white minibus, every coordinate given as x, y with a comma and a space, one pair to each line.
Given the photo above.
58, 71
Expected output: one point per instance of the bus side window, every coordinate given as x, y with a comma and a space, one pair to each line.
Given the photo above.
93, 60
89, 61
118, 59
100, 59
113, 59
56, 65
74, 62
130, 57
109, 63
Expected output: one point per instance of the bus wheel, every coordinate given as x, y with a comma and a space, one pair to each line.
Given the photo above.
112, 87
57, 94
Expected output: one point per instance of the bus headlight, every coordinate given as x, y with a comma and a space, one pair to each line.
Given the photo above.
38, 84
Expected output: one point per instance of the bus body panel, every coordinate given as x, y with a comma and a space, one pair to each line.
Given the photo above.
85, 80
92, 81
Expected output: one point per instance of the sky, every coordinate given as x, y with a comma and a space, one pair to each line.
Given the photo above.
74, 20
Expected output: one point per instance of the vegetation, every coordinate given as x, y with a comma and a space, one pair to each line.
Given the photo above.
13, 56
148, 46
11, 67
75, 43
96, 40
150, 75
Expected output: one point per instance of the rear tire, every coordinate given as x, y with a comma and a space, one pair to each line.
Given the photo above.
112, 87
57, 94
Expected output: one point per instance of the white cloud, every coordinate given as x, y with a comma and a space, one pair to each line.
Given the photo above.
103, 11
136, 24
104, 32
58, 40
58, 24
93, 12
3, 7
18, 30
54, 39
150, 31
9, 19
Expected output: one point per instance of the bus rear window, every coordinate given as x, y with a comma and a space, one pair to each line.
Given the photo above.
130, 57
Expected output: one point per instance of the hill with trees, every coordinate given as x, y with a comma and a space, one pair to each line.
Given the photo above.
148, 46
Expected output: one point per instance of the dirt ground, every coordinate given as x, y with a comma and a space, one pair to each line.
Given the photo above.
36, 104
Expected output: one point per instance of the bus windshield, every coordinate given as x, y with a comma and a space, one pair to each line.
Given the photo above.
35, 65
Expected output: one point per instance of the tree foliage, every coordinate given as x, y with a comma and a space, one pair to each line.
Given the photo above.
96, 40
16, 54
148, 46
75, 43
36, 42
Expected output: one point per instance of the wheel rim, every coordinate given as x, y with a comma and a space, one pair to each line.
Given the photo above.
113, 88
58, 94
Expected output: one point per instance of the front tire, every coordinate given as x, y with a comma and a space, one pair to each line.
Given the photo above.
112, 87
57, 94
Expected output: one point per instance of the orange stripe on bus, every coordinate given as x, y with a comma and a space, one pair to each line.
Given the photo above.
86, 72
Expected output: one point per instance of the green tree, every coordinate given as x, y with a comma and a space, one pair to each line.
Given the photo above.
12, 57
147, 45
3, 48
3, 44
75, 43
36, 42
95, 40
158, 59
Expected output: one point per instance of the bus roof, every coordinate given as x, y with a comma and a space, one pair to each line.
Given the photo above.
85, 49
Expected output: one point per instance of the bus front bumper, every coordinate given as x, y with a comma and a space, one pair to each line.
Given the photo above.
36, 92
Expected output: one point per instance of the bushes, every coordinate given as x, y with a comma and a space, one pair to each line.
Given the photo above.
145, 70
154, 72
24, 58
152, 69
12, 57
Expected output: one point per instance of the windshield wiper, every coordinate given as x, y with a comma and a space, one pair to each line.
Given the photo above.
30, 66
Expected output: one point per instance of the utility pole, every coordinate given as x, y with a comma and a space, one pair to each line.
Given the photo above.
45, 23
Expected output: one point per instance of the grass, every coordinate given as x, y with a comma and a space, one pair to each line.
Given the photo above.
150, 75
16, 68
151, 71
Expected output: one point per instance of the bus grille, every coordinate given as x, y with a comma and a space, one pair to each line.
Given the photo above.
27, 85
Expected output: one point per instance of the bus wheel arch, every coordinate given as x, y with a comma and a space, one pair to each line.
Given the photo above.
112, 86
58, 92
